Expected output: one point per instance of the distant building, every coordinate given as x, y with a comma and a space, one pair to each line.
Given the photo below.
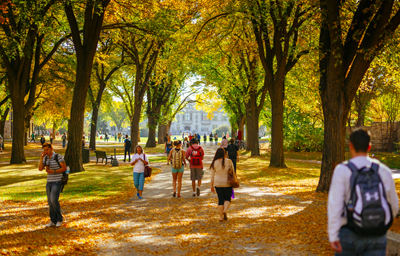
191, 120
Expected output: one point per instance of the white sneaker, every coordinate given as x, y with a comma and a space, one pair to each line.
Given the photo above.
51, 224
59, 224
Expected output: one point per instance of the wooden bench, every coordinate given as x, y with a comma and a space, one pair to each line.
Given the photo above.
102, 155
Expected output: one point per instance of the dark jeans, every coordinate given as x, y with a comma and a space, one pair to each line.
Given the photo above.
355, 245
53, 190
224, 194
234, 163
129, 154
64, 143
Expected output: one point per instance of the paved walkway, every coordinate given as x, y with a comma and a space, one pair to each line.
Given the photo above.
180, 226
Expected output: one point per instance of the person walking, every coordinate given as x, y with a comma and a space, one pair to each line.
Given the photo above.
127, 146
54, 165
139, 161
166, 137
33, 137
64, 139
195, 155
220, 167
216, 138
177, 158
105, 137
362, 201
233, 153
1, 144
198, 138
224, 144
119, 137
42, 140
168, 147
115, 137
205, 139
211, 138
51, 138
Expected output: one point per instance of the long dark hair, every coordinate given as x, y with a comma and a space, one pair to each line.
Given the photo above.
219, 154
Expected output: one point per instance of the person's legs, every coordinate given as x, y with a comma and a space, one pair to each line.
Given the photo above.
125, 151
53, 194
180, 174
193, 178
174, 178
63, 143
141, 183
220, 194
129, 154
234, 163
136, 181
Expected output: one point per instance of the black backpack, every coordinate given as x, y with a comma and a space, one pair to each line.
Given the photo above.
368, 211
128, 144
65, 175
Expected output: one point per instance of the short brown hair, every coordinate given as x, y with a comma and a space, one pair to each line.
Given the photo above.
360, 139
46, 144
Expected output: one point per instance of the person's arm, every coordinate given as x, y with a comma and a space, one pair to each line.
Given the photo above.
202, 154
41, 165
391, 194
165, 147
62, 169
134, 161
212, 179
188, 154
145, 160
237, 156
336, 201
183, 157
170, 155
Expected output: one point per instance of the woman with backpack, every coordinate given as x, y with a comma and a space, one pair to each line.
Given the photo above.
220, 167
139, 161
177, 158
168, 147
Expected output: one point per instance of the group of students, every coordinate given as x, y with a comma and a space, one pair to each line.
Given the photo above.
362, 201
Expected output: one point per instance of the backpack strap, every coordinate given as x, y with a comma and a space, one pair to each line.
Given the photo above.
56, 158
375, 167
353, 178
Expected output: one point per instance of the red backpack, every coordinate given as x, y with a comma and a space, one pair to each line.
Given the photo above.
195, 156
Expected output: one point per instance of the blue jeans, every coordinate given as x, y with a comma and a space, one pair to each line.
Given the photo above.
53, 190
127, 150
138, 180
64, 143
355, 245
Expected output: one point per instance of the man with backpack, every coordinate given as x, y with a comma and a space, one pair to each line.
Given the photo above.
195, 155
54, 165
362, 201
127, 146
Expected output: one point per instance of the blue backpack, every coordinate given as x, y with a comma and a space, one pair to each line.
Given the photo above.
368, 211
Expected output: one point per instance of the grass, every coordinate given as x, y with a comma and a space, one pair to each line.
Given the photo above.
26, 183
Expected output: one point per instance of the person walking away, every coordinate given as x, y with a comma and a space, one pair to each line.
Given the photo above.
64, 139
227, 136
33, 137
198, 138
54, 165
220, 167
205, 139
186, 143
216, 138
127, 146
115, 137
190, 137
119, 137
233, 153
195, 155
177, 158
42, 140
139, 161
166, 137
51, 138
168, 147
211, 138
224, 144
362, 201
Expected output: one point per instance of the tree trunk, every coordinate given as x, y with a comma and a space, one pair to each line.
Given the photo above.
93, 128
240, 125
18, 129
252, 118
135, 131
277, 97
53, 131
3, 118
151, 140
162, 130
73, 153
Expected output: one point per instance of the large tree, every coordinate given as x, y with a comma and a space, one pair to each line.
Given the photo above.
85, 45
26, 47
352, 34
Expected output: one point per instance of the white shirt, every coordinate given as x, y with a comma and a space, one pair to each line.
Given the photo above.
339, 193
139, 166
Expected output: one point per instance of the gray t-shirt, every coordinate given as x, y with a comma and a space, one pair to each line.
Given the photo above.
53, 177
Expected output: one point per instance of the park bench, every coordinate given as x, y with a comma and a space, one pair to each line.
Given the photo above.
102, 155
